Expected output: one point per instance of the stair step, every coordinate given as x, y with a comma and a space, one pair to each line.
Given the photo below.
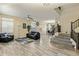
62, 42
60, 45
63, 39
70, 46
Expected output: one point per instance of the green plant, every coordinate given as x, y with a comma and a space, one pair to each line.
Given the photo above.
28, 28
37, 23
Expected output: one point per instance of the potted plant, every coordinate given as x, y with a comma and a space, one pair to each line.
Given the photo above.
28, 28
37, 23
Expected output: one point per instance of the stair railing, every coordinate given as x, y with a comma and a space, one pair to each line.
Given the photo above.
74, 35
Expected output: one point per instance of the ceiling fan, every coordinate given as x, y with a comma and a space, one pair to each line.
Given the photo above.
59, 10
29, 17
34, 20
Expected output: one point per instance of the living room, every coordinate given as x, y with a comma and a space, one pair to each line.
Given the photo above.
38, 29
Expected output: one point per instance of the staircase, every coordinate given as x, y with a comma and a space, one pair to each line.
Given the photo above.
62, 41
69, 41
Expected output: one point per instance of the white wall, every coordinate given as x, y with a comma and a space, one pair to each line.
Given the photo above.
68, 15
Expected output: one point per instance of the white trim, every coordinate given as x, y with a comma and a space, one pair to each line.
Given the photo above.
73, 43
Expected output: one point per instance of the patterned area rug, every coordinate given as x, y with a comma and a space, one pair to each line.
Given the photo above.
24, 40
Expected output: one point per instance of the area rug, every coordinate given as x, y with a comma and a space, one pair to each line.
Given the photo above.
24, 40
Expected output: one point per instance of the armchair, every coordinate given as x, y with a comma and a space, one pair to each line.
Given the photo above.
33, 35
4, 37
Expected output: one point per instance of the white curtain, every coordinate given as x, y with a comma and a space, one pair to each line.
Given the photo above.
7, 25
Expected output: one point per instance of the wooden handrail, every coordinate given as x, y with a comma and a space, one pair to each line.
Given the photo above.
75, 24
75, 21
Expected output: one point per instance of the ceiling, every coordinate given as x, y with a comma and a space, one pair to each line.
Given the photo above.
40, 11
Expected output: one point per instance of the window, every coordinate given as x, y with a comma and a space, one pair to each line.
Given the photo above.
7, 25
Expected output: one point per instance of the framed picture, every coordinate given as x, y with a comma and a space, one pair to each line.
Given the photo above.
24, 25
